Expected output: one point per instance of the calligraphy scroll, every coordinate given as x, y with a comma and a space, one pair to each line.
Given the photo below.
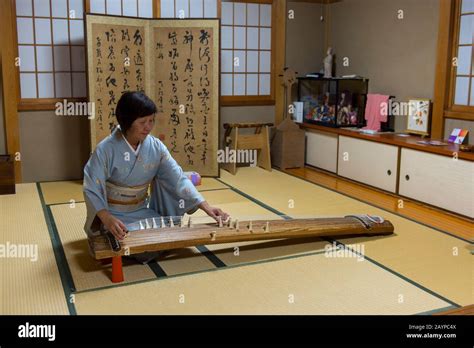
116, 64
185, 82
176, 63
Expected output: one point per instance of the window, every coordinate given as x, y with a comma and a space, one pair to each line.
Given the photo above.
246, 43
129, 8
51, 48
463, 72
188, 8
50, 35
454, 83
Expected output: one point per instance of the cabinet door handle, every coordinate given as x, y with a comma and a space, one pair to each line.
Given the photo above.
389, 172
407, 177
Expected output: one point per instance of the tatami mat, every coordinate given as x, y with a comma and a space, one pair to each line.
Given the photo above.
435, 260
312, 284
86, 272
28, 287
89, 274
245, 252
240, 207
210, 184
279, 270
55, 192
181, 261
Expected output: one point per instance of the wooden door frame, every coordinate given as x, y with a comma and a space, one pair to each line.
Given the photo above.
280, 58
10, 84
442, 108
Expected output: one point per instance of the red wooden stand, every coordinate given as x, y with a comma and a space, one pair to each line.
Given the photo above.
117, 270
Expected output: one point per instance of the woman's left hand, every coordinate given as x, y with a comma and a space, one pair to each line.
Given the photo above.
214, 212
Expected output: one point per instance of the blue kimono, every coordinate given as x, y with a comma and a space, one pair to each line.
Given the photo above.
117, 179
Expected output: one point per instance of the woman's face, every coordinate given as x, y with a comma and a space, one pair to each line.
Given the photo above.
141, 127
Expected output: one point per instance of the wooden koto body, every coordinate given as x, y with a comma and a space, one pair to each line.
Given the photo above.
154, 239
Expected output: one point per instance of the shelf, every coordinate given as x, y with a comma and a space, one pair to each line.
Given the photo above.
392, 139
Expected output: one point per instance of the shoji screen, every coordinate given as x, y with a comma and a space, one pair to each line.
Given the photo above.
129, 8
464, 81
246, 30
51, 48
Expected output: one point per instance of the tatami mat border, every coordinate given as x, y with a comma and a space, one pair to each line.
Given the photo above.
338, 243
156, 268
63, 267
205, 271
82, 201
211, 256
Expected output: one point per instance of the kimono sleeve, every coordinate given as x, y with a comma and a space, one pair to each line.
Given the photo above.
95, 176
175, 193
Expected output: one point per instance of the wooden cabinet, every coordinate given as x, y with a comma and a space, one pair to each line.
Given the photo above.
7, 175
369, 162
438, 180
398, 165
321, 150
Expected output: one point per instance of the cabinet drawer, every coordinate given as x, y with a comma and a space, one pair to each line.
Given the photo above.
321, 150
438, 180
368, 162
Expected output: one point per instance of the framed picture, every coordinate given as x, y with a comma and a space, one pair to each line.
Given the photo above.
418, 116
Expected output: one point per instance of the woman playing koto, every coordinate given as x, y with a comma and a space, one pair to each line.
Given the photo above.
122, 168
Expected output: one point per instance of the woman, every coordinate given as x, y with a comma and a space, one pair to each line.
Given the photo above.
123, 166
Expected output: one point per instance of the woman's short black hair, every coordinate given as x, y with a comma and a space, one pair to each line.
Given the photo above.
133, 105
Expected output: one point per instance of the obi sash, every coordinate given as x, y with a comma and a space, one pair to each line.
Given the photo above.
125, 198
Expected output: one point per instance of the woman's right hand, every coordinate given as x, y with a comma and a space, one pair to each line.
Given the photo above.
112, 224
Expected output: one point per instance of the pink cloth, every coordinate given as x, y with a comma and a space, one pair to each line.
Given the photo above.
376, 111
